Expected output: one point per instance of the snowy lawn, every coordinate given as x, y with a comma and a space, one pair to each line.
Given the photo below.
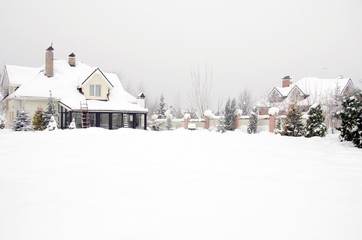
134, 184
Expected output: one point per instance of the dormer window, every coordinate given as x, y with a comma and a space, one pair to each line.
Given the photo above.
94, 90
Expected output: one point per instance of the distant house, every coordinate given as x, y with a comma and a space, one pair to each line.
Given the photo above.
306, 92
88, 95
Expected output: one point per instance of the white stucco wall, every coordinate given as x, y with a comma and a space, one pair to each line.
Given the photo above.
30, 106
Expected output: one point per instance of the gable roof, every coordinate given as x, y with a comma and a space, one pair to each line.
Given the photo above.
92, 74
297, 88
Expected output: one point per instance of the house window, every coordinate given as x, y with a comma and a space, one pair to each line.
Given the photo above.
94, 90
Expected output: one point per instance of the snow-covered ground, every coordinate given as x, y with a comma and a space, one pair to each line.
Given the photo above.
134, 184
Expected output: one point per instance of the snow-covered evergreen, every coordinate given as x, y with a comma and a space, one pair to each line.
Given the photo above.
315, 123
253, 121
169, 117
351, 116
2, 122
38, 120
72, 124
51, 110
293, 125
278, 125
22, 121
229, 117
161, 109
52, 125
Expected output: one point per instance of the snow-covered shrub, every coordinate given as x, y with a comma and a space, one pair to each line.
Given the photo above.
52, 125
253, 121
72, 124
351, 116
293, 125
2, 122
38, 120
315, 123
22, 121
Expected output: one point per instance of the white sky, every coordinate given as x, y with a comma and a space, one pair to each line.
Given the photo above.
153, 43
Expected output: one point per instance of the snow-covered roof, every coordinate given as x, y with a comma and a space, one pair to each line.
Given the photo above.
64, 87
19, 75
284, 91
313, 85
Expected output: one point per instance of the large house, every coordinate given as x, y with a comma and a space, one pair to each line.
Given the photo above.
306, 92
88, 95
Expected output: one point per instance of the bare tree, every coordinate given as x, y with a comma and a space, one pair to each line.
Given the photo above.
201, 90
220, 107
245, 101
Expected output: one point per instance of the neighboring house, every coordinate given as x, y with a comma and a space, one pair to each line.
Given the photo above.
90, 96
306, 91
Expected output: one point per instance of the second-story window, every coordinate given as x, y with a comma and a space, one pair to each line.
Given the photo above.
94, 90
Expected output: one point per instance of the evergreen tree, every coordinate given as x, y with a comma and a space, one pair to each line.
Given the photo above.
2, 122
161, 109
51, 110
293, 125
351, 116
315, 123
253, 121
169, 118
230, 109
22, 121
278, 127
38, 120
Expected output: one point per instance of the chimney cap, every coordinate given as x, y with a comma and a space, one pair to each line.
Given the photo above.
141, 95
71, 55
50, 48
287, 77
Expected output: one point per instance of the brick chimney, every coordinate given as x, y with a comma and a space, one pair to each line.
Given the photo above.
71, 59
49, 65
286, 81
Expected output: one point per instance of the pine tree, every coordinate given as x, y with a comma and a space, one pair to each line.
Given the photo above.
351, 116
51, 110
161, 109
22, 121
315, 123
38, 120
253, 121
230, 108
293, 125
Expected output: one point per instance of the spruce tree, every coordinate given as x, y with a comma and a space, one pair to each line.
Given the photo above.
230, 108
161, 109
38, 120
315, 123
51, 110
22, 121
253, 121
351, 116
293, 125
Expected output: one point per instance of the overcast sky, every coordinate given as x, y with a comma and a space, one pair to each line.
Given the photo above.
249, 44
